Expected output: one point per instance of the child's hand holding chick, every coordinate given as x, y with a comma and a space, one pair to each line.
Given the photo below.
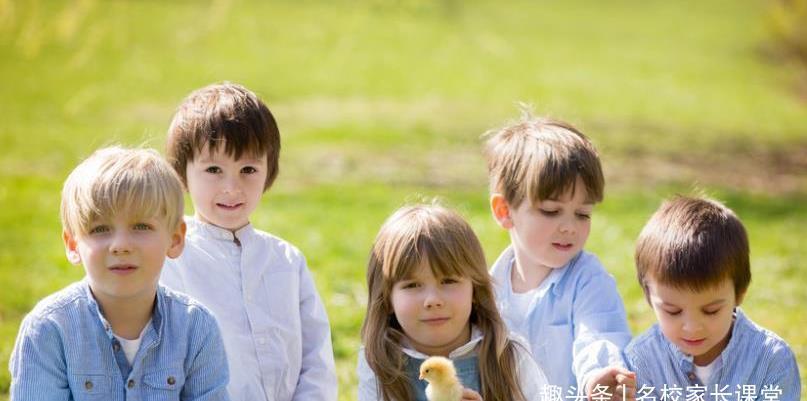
443, 382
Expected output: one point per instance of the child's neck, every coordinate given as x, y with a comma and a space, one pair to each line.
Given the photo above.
126, 317
526, 278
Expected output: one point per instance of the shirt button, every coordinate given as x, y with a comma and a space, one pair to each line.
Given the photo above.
171, 380
691, 376
88, 385
130, 384
116, 347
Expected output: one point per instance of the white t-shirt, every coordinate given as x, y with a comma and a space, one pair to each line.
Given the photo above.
130, 347
704, 373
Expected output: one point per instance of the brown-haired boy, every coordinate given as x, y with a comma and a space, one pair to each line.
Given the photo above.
225, 145
545, 178
693, 265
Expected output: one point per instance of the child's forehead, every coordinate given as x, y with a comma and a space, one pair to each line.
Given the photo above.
219, 153
684, 293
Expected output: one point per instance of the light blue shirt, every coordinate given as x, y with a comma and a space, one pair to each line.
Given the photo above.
273, 322
575, 323
65, 350
754, 357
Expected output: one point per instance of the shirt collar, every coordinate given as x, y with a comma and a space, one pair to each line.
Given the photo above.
215, 232
156, 315
551, 280
467, 348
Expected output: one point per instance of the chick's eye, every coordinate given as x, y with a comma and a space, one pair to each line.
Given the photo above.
213, 170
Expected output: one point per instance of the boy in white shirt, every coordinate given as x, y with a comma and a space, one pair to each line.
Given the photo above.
224, 143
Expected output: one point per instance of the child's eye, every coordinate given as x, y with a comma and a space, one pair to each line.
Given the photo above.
546, 212
99, 229
249, 170
711, 312
213, 170
142, 227
410, 285
673, 313
583, 216
449, 280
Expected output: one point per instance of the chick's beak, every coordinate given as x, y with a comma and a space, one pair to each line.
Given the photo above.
421, 376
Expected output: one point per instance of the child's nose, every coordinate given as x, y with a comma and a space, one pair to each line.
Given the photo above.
433, 300
120, 244
567, 226
692, 326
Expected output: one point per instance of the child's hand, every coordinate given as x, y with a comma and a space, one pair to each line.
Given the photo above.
613, 380
470, 395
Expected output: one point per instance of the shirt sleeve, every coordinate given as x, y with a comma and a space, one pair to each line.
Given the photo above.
600, 326
37, 365
784, 375
531, 377
368, 385
317, 379
207, 376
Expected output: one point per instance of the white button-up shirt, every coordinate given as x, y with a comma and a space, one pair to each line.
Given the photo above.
530, 376
275, 328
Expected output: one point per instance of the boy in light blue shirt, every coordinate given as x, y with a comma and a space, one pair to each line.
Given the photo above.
692, 261
545, 178
117, 335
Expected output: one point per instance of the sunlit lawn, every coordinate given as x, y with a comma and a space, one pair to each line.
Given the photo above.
383, 103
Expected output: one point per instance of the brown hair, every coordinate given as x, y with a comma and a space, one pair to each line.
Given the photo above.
228, 114
694, 243
435, 235
540, 158
116, 180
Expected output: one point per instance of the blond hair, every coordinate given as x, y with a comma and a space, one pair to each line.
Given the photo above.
116, 180
539, 158
438, 236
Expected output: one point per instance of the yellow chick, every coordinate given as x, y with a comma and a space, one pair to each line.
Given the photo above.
442, 377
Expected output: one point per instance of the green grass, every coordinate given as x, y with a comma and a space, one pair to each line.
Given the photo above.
384, 101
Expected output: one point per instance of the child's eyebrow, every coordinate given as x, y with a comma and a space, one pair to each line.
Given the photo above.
715, 303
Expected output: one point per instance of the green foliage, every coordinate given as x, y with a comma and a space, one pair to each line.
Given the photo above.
384, 101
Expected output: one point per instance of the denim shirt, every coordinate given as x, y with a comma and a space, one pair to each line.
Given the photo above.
66, 350
754, 357
578, 324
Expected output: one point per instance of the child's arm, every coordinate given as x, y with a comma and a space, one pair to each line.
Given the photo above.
207, 377
600, 326
317, 379
783, 374
37, 364
531, 377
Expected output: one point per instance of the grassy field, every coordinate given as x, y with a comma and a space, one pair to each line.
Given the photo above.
383, 103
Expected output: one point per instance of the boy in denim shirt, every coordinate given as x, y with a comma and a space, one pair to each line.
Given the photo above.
117, 335
692, 263
545, 178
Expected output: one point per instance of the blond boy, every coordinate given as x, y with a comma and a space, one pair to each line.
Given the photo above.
117, 335
545, 178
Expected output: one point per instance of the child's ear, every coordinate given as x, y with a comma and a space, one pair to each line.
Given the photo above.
177, 241
501, 211
71, 248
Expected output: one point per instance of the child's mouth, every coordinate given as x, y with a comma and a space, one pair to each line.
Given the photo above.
694, 343
436, 321
122, 269
229, 206
562, 247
